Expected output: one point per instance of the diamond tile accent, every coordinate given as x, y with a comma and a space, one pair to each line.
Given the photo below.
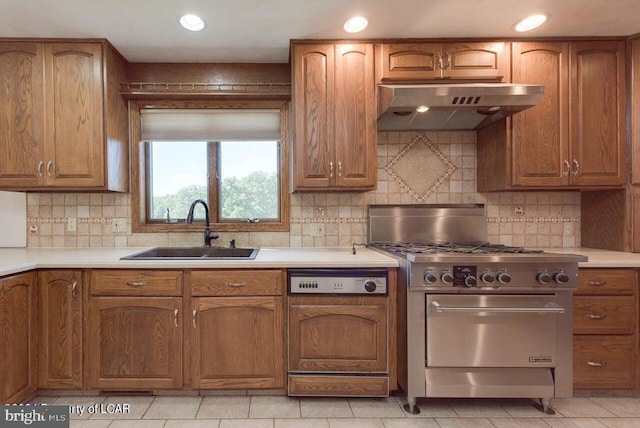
420, 168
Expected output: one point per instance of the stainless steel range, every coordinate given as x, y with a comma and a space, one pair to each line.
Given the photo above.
483, 320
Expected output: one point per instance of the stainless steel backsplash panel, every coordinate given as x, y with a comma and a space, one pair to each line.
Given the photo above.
427, 223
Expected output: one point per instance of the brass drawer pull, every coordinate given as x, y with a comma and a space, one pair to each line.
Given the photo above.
596, 316
136, 283
40, 165
49, 165
175, 317
236, 284
596, 283
193, 317
597, 363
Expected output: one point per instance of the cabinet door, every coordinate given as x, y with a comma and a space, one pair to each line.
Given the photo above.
476, 61
540, 136
347, 337
74, 94
21, 115
411, 61
60, 329
135, 343
237, 342
18, 338
313, 99
355, 117
598, 113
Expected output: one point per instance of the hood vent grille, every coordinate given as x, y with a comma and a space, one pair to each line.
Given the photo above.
452, 106
465, 100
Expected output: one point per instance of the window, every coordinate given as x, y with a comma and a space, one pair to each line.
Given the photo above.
232, 158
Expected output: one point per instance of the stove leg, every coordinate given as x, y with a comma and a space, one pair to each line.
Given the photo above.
545, 406
411, 407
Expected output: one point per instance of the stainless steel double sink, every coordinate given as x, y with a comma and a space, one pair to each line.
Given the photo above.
194, 253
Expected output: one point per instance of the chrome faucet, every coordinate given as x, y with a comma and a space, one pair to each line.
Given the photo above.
208, 236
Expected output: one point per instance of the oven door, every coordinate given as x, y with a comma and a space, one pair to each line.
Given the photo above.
466, 330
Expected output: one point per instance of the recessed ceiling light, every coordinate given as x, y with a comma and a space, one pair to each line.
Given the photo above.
356, 24
192, 22
531, 22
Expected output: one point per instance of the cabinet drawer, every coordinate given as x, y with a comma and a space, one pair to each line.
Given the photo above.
237, 282
605, 362
136, 282
603, 315
606, 282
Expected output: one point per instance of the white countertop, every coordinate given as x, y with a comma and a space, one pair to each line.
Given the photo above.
14, 260
601, 258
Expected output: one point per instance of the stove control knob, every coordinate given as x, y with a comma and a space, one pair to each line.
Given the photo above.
487, 277
504, 278
561, 277
370, 286
447, 278
470, 281
543, 277
430, 278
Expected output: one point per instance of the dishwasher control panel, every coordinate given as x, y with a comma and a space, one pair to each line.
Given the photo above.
337, 281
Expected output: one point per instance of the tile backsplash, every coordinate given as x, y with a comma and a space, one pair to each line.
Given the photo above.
413, 168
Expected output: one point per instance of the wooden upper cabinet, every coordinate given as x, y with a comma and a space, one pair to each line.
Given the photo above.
434, 61
21, 114
313, 82
73, 87
476, 61
334, 117
355, 117
411, 60
18, 338
64, 123
574, 138
541, 133
634, 91
598, 113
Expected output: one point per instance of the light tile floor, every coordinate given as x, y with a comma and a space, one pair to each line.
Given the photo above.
287, 412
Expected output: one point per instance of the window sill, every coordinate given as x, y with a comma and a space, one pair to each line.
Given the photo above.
182, 227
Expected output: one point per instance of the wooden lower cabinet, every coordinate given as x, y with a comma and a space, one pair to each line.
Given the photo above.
18, 338
237, 342
605, 327
135, 343
60, 356
603, 362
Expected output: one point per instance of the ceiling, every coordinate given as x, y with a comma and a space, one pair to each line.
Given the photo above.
260, 30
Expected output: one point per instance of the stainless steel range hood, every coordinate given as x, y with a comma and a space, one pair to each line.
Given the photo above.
451, 106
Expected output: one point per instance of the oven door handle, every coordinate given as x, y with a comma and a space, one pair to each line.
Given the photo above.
549, 308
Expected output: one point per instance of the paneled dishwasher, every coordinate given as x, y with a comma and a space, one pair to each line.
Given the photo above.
338, 332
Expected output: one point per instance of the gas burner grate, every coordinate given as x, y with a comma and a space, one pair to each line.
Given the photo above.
451, 247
